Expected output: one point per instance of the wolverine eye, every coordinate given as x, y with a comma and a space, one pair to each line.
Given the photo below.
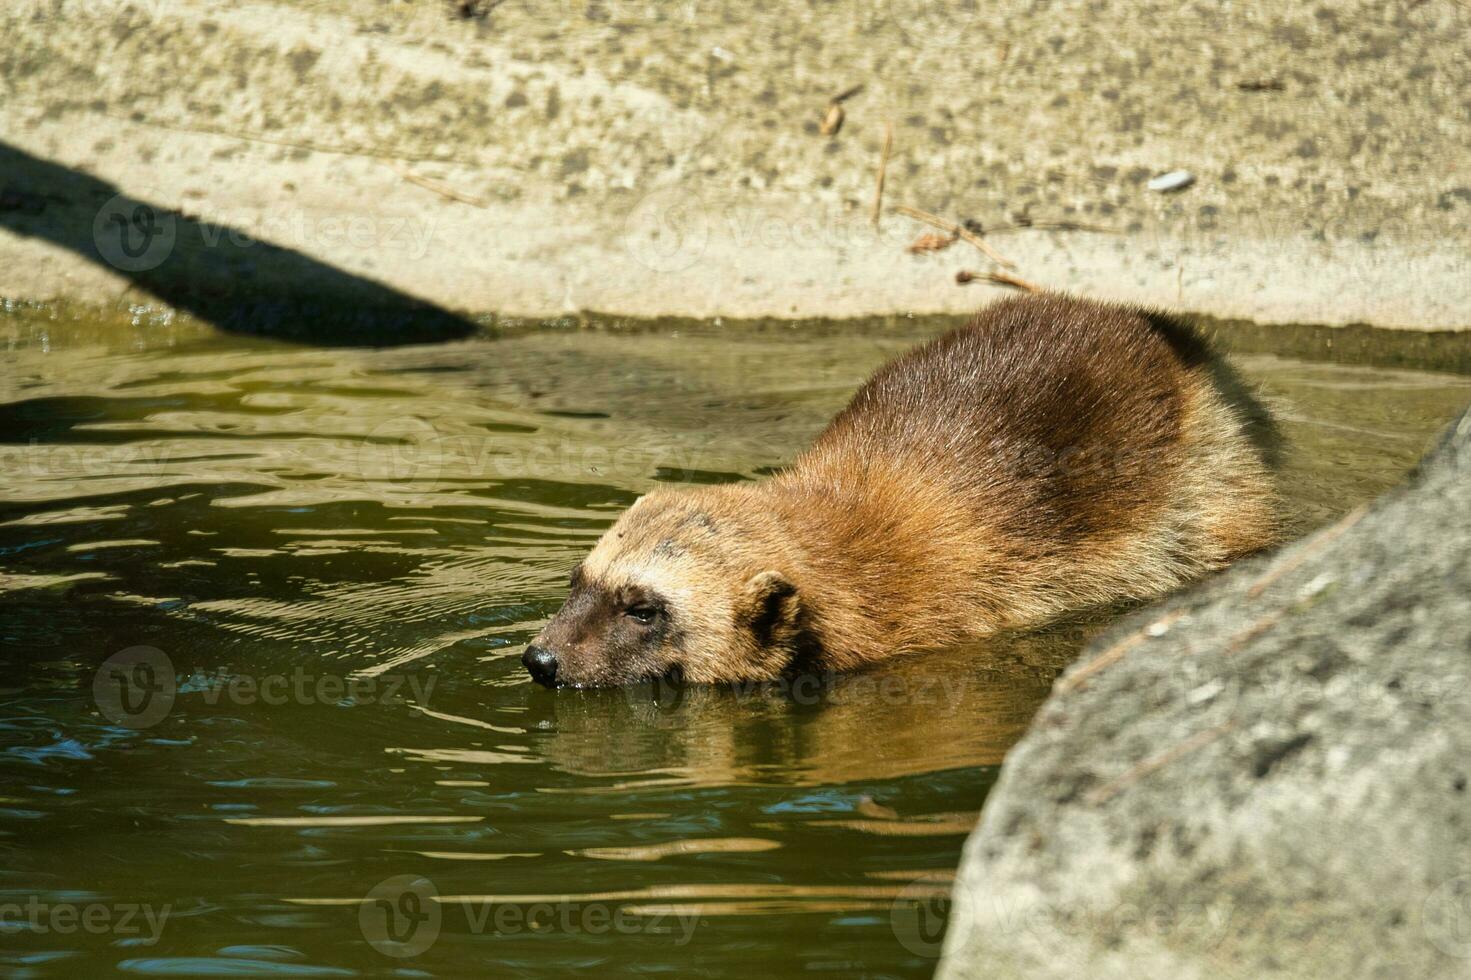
643, 613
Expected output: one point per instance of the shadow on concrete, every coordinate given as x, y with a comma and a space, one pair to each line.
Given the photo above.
216, 272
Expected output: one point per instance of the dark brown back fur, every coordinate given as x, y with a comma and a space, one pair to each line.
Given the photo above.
1063, 429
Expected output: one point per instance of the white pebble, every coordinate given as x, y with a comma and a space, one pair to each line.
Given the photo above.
1205, 692
1160, 627
1317, 585
1175, 180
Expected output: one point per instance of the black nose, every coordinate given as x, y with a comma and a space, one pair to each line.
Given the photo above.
541, 664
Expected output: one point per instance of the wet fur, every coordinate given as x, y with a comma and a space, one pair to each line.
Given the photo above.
1052, 454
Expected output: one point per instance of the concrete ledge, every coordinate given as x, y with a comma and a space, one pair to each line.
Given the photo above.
648, 159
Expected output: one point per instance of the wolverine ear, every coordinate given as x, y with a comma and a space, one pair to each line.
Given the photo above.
769, 607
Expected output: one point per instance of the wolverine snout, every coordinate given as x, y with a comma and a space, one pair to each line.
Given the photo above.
541, 664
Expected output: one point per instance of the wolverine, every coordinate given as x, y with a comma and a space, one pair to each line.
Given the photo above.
1053, 454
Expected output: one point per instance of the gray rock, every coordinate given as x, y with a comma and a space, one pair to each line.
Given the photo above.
1266, 776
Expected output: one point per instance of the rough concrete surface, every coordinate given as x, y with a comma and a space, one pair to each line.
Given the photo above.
648, 157
1266, 776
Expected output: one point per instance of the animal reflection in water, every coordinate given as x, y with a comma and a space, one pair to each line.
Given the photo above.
952, 709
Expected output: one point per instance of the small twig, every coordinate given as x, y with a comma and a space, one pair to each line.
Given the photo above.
878, 189
930, 242
954, 229
1197, 741
1116, 652
832, 121
1317, 544
999, 278
1256, 629
437, 187
1050, 226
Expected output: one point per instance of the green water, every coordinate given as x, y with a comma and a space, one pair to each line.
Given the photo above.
336, 557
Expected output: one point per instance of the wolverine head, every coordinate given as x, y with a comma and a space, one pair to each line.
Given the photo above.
684, 585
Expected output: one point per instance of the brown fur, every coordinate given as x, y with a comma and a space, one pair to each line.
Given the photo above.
1053, 454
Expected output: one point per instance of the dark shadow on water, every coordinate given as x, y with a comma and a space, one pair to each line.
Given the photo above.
215, 272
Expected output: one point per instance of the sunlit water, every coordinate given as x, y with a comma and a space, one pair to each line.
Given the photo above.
332, 560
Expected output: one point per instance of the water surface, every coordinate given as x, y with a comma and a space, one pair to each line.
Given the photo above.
332, 560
